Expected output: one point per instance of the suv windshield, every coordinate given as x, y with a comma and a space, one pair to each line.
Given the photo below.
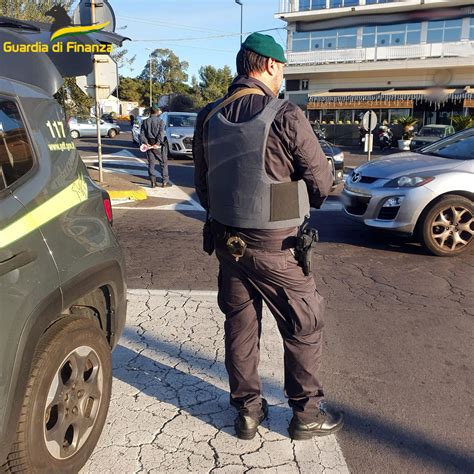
432, 132
182, 120
458, 147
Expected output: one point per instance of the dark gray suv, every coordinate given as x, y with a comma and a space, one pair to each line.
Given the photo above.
62, 273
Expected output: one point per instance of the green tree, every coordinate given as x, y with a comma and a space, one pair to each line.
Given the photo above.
167, 70
214, 82
31, 9
184, 103
131, 89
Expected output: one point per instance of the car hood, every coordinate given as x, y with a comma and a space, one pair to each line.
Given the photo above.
406, 163
184, 131
426, 139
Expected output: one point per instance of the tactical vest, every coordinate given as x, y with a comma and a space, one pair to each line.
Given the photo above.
241, 193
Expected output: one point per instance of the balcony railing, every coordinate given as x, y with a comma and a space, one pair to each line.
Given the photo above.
437, 50
291, 6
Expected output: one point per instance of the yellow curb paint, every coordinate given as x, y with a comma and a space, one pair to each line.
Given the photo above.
135, 195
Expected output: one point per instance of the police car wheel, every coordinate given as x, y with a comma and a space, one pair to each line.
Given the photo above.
74, 134
66, 401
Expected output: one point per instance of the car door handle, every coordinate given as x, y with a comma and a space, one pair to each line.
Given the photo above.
17, 261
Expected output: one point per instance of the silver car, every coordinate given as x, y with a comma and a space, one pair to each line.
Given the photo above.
87, 127
179, 132
429, 193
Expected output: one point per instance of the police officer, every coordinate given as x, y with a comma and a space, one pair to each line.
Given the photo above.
152, 133
258, 169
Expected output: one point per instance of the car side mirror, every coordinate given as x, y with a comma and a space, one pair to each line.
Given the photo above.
102, 122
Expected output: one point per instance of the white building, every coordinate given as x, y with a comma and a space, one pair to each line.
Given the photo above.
397, 57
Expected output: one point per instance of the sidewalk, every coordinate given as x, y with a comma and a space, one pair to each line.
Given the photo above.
119, 186
170, 404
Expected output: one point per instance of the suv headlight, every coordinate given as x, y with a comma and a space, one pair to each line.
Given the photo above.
175, 135
339, 158
409, 181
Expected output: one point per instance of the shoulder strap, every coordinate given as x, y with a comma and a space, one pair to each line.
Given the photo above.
236, 95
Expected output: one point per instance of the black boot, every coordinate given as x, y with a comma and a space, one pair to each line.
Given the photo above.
327, 422
153, 181
246, 426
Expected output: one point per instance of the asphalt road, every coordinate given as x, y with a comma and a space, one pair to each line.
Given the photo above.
398, 355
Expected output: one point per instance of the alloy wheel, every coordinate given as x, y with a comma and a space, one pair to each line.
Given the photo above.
73, 402
453, 228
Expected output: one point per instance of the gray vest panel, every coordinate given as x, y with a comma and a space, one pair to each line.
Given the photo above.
240, 191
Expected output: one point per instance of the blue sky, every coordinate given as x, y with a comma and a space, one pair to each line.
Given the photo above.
163, 23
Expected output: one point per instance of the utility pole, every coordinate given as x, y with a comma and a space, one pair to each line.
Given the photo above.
239, 2
97, 110
151, 83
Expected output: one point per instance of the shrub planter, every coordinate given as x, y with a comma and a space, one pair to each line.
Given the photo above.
404, 145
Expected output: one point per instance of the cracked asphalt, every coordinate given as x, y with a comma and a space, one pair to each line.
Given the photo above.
170, 405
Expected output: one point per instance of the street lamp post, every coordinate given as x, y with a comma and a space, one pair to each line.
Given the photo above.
151, 84
239, 2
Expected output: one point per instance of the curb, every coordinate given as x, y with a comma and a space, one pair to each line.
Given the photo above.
132, 194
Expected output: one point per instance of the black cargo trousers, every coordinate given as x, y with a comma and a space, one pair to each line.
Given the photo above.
153, 155
275, 277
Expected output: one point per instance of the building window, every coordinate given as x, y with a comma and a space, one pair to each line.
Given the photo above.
304, 84
444, 31
344, 38
391, 35
471, 32
312, 5
16, 156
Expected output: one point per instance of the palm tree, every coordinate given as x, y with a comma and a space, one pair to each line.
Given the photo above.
461, 122
407, 122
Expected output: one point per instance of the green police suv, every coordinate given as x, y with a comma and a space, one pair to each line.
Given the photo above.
62, 288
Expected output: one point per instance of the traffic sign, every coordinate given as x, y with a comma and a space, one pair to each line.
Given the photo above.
106, 77
369, 122
103, 14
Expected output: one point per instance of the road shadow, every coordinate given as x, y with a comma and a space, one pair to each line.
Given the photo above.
202, 399
189, 393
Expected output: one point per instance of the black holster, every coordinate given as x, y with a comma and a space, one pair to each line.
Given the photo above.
306, 239
208, 244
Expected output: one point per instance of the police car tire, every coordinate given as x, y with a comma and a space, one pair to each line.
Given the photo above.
112, 133
29, 452
74, 134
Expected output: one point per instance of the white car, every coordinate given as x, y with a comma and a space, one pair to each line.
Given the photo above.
137, 126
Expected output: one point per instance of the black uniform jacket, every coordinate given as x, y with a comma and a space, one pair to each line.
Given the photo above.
152, 131
293, 151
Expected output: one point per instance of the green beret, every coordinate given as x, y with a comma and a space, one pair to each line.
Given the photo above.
265, 45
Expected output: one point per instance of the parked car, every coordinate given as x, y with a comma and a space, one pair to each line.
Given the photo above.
335, 157
87, 127
62, 272
430, 134
136, 129
429, 193
109, 118
179, 132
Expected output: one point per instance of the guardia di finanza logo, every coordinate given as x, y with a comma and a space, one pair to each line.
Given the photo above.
61, 28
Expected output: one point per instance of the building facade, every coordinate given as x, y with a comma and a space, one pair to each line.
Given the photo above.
396, 57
